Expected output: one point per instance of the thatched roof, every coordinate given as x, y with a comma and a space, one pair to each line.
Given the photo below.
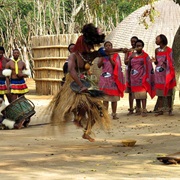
167, 23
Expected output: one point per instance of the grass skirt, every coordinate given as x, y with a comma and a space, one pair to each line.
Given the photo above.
67, 101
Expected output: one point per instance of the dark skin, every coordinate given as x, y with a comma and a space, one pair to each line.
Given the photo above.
72, 68
126, 61
87, 55
107, 46
4, 62
139, 48
21, 67
160, 98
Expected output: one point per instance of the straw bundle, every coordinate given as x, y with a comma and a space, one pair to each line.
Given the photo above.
67, 101
49, 55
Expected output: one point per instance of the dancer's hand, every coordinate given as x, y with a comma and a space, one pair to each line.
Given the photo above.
125, 50
83, 89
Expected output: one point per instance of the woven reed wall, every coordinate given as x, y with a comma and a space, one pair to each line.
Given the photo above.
49, 55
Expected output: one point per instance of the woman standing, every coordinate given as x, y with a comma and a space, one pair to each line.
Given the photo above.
164, 73
111, 80
128, 85
141, 76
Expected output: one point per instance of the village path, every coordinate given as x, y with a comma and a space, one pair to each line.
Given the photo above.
36, 153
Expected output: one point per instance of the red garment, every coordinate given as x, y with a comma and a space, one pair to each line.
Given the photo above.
165, 72
142, 74
118, 75
80, 45
1, 63
127, 71
113, 85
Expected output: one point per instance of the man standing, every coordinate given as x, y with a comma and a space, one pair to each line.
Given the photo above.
15, 79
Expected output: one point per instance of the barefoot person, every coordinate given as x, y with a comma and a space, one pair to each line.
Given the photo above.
141, 76
87, 109
128, 85
8, 123
111, 81
164, 73
15, 72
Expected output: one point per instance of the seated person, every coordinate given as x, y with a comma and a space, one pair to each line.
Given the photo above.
7, 123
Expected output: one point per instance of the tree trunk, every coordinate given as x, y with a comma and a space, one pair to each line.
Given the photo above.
176, 52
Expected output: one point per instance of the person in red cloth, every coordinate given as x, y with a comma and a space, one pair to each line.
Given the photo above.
128, 89
164, 73
141, 76
111, 81
87, 110
3, 86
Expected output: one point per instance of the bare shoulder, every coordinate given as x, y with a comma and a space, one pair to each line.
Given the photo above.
72, 57
156, 50
7, 59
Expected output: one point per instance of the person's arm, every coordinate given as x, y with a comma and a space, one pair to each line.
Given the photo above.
154, 59
73, 72
100, 62
115, 50
90, 56
7, 73
23, 73
126, 58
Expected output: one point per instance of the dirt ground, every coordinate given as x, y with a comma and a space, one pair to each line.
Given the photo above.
34, 153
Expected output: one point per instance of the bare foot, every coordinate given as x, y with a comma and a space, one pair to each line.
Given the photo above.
159, 113
170, 113
144, 114
86, 136
19, 125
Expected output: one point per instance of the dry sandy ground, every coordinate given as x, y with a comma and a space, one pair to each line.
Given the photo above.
33, 153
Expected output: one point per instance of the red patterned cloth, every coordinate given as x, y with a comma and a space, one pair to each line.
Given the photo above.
142, 74
1, 63
164, 71
18, 86
113, 85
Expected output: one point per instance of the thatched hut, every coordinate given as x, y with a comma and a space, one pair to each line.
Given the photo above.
49, 53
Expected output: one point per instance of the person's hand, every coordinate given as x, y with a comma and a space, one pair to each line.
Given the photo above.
153, 59
83, 89
125, 50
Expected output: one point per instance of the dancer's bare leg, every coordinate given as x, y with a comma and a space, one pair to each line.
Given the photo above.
86, 134
106, 104
89, 138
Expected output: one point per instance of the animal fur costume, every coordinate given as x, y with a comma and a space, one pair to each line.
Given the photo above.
9, 124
